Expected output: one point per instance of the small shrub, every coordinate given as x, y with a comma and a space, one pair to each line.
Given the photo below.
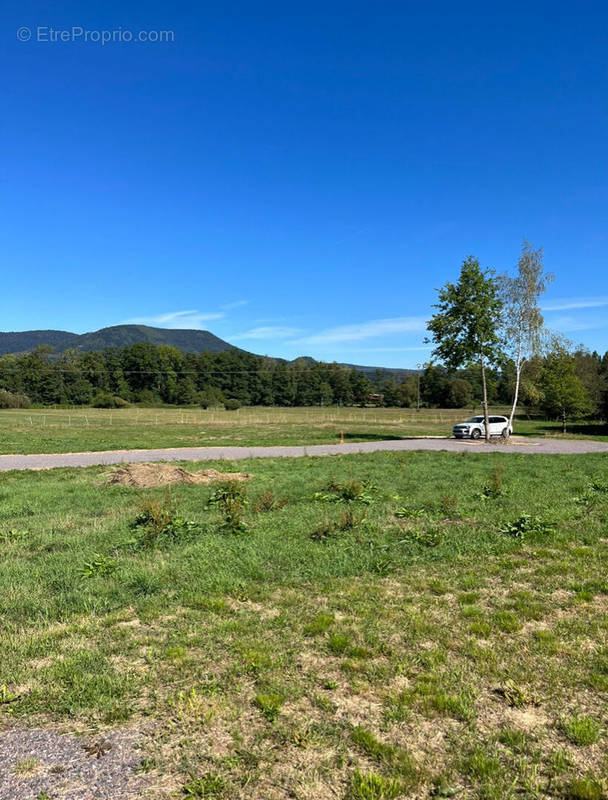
107, 400
233, 517
231, 498
582, 731
227, 491
269, 704
211, 397
232, 405
13, 400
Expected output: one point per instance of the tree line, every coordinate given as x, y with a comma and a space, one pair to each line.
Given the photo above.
490, 347
153, 374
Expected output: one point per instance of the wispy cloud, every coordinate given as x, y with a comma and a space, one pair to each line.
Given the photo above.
568, 324
366, 330
392, 349
177, 319
267, 332
236, 304
571, 303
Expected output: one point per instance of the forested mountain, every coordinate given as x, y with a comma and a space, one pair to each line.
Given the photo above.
188, 341
117, 336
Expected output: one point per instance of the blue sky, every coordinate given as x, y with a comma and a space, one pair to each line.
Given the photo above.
300, 178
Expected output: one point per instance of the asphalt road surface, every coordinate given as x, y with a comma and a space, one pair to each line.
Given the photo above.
515, 445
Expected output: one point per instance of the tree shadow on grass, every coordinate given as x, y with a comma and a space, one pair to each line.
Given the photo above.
581, 428
371, 437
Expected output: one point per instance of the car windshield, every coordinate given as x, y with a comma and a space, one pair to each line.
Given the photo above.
475, 419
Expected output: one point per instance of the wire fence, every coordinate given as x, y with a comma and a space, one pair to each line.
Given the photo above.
83, 418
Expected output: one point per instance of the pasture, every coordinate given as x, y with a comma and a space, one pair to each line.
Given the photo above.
63, 430
360, 627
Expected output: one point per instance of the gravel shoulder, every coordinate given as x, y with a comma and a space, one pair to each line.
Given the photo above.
515, 445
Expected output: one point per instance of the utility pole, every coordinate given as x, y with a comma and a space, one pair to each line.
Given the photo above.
418, 367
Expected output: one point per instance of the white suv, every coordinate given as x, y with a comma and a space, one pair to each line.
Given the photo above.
475, 428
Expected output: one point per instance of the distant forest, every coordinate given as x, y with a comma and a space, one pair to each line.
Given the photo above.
153, 374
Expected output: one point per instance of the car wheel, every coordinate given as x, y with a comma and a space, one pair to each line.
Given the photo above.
475, 433
505, 433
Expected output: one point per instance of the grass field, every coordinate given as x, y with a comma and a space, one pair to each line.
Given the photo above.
61, 431
361, 627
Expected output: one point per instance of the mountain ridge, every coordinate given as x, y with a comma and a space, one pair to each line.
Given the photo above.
184, 339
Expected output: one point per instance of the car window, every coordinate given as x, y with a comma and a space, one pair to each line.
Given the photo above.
475, 419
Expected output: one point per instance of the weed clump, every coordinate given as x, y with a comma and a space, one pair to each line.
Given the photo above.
269, 704
582, 731
526, 526
330, 528
157, 525
588, 788
98, 565
231, 498
346, 492
208, 786
494, 489
266, 502
371, 786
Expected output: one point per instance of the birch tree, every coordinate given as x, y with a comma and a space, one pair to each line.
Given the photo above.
522, 326
465, 328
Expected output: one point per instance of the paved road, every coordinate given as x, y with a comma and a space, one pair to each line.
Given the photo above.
515, 445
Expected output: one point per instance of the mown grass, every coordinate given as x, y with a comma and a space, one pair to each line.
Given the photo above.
61, 430
434, 653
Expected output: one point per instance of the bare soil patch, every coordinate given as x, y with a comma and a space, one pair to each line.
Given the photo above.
45, 763
148, 476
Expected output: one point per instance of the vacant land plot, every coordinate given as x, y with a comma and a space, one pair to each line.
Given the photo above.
361, 627
62, 431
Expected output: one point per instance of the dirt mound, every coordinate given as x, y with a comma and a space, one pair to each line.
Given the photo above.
147, 476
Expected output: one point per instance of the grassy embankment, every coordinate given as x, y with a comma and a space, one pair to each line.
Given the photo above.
60, 431
403, 625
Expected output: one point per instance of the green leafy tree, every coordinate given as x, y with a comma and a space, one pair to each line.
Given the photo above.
465, 327
564, 395
461, 393
522, 318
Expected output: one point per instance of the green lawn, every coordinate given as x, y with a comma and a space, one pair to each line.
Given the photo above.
61, 431
361, 627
